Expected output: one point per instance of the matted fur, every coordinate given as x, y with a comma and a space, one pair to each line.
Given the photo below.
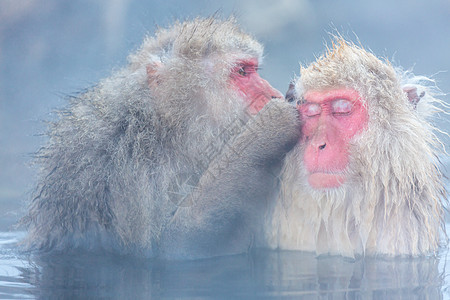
392, 201
115, 150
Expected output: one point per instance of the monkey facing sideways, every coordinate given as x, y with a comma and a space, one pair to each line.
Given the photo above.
365, 178
172, 156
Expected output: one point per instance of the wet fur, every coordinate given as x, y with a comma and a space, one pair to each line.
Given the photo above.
392, 201
115, 152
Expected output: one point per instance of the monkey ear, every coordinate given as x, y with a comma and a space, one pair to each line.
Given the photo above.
413, 97
290, 94
152, 73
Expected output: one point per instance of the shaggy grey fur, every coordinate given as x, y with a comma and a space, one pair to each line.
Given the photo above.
161, 158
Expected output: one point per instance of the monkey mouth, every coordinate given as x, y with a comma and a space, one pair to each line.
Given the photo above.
326, 179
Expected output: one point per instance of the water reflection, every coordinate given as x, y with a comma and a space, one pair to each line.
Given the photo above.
253, 276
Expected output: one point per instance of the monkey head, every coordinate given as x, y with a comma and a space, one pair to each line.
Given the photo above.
193, 67
347, 97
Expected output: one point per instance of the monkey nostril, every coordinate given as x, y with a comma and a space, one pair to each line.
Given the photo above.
321, 147
275, 97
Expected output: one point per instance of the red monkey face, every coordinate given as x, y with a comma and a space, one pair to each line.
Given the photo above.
331, 119
255, 90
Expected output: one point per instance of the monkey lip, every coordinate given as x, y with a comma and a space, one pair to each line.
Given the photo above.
324, 179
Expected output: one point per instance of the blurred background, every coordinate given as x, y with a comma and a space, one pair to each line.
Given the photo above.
53, 48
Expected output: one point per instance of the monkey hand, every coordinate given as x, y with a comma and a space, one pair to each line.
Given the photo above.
270, 134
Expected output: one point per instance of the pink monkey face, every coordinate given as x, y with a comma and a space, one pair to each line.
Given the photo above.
256, 91
331, 119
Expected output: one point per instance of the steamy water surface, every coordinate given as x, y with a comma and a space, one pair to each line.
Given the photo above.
261, 274
62, 47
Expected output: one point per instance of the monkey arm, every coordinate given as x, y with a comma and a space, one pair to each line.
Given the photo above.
232, 196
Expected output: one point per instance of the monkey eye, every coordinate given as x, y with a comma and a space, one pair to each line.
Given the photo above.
341, 107
311, 109
247, 69
242, 71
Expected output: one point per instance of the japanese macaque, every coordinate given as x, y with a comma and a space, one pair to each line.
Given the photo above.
172, 156
365, 178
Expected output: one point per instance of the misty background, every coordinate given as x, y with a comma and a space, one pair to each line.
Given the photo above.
54, 48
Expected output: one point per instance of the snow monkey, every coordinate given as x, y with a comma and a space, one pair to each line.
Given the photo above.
365, 179
167, 156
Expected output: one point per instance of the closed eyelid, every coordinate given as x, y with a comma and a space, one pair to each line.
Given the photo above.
311, 109
342, 106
